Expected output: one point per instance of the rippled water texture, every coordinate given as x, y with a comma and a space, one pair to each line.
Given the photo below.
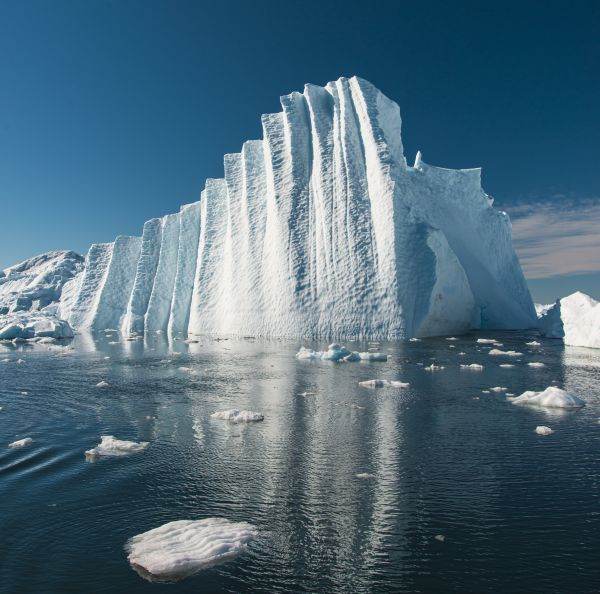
518, 512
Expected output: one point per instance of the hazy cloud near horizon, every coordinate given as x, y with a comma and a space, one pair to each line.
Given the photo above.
557, 238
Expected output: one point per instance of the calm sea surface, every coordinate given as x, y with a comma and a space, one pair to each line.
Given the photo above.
518, 512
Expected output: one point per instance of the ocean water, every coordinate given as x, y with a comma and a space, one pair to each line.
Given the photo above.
518, 512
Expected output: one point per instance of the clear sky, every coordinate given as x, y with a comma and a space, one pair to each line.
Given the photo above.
114, 112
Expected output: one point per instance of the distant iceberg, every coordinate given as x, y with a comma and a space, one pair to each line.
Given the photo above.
575, 319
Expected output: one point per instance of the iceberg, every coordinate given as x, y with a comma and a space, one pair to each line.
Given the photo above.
498, 352
378, 383
551, 397
575, 319
179, 549
319, 229
543, 430
472, 367
111, 446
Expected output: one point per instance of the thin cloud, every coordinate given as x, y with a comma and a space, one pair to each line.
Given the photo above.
557, 238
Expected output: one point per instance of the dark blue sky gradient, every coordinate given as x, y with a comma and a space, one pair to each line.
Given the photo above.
115, 112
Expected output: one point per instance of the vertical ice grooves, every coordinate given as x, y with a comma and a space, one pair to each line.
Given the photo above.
144, 278
189, 232
159, 305
318, 229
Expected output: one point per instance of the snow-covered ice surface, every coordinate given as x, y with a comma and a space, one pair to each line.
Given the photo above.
111, 446
235, 416
319, 229
551, 397
575, 319
179, 549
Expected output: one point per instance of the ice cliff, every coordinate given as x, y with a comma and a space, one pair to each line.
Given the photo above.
320, 229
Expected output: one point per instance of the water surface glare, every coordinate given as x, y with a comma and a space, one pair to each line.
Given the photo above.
519, 512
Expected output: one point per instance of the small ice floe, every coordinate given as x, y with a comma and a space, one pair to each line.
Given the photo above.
6, 360
498, 352
506, 365
305, 353
107, 357
543, 430
379, 383
414, 340
486, 341
472, 367
498, 389
235, 415
509, 394
533, 343
21, 443
440, 537
111, 446
451, 346
20, 361
373, 356
364, 476
434, 367
102, 384
536, 364
462, 354
485, 391
551, 397
452, 338
179, 549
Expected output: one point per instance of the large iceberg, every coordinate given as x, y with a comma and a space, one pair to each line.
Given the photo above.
575, 319
320, 229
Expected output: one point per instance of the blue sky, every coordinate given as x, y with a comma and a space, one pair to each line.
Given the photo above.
115, 112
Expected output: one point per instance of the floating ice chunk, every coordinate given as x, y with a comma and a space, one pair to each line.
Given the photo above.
440, 537
536, 364
179, 549
114, 342
111, 446
24, 393
462, 353
485, 391
373, 356
335, 352
434, 367
551, 397
414, 340
498, 352
486, 340
543, 430
364, 475
506, 365
533, 343
102, 384
352, 357
498, 389
472, 367
305, 353
191, 340
378, 383
20, 361
21, 443
235, 415
46, 340
452, 338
